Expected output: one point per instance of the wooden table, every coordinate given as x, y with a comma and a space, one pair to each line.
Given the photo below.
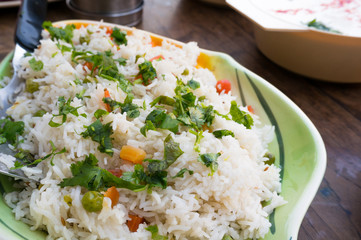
335, 109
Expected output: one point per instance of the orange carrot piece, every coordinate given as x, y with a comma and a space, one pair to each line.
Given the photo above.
113, 194
89, 65
107, 95
156, 58
250, 109
134, 222
132, 154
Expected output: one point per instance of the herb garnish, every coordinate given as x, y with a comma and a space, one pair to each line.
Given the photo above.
27, 159
119, 36
106, 66
65, 33
239, 116
210, 160
128, 106
155, 235
223, 133
146, 72
10, 130
64, 109
87, 174
101, 134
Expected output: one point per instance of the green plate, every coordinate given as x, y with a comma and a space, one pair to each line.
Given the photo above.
299, 149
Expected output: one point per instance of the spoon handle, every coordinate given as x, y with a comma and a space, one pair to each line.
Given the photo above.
32, 14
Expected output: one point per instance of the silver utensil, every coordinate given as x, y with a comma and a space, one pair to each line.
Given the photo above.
31, 15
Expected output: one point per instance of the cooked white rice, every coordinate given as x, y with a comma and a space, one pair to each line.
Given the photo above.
198, 206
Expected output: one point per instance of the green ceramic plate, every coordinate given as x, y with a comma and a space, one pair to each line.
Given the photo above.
299, 149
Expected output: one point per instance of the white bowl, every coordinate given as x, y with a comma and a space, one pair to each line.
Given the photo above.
316, 54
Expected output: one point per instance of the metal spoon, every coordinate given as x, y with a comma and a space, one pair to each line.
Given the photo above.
31, 15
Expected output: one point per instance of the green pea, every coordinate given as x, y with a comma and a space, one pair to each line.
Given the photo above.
92, 201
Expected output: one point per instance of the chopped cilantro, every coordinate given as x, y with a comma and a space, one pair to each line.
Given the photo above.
210, 160
146, 72
181, 173
36, 65
80, 95
106, 66
65, 33
25, 158
100, 113
64, 109
101, 134
160, 119
199, 136
10, 130
193, 84
87, 174
239, 116
64, 48
128, 106
119, 36
155, 235
222, 133
148, 126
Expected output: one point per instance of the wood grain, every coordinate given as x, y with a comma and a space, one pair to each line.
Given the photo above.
335, 109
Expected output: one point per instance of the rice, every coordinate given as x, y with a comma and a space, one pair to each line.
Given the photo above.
201, 205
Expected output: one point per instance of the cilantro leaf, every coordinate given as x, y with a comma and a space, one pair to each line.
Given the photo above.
148, 126
181, 173
172, 152
9, 130
119, 36
193, 84
209, 160
155, 235
128, 106
100, 113
101, 134
25, 158
87, 174
163, 100
36, 65
239, 116
65, 33
222, 133
64, 109
147, 72
160, 119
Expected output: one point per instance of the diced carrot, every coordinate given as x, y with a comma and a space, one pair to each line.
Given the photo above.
113, 194
250, 109
116, 172
132, 154
134, 222
89, 65
156, 58
107, 95
109, 31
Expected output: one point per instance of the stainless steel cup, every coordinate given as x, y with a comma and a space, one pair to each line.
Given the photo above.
124, 12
